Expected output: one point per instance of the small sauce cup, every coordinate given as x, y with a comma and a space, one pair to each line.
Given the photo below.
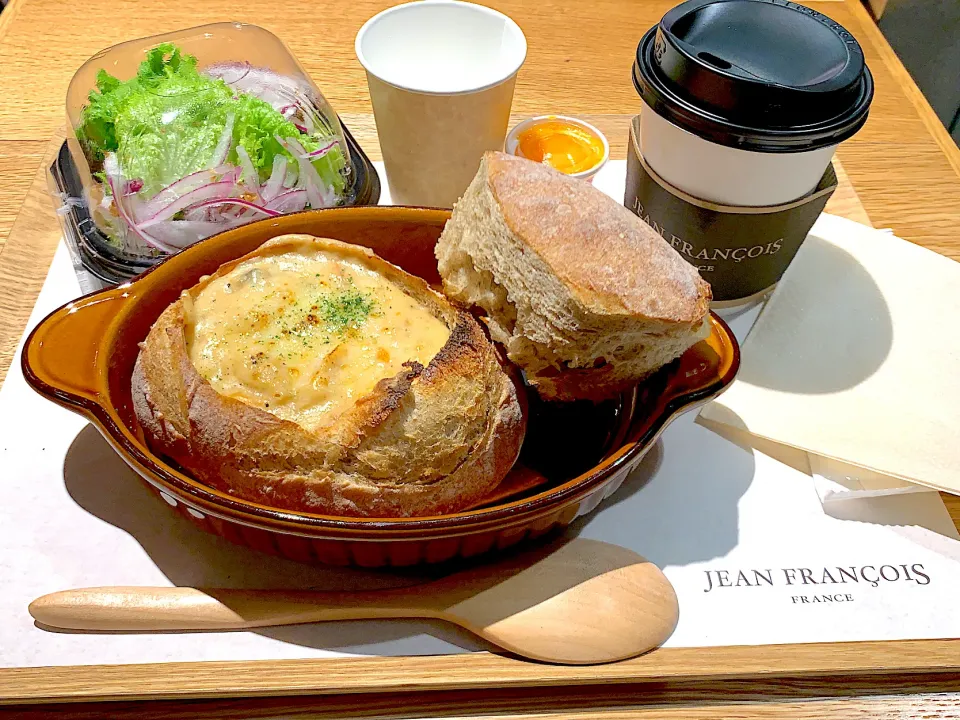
565, 143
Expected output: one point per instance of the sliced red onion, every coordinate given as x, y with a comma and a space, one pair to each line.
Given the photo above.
134, 205
180, 187
313, 155
307, 180
234, 201
197, 215
222, 150
233, 174
182, 233
217, 190
249, 175
188, 182
239, 212
311, 179
288, 202
307, 116
277, 176
114, 180
263, 83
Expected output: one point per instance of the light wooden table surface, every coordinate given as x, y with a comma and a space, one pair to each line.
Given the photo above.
904, 174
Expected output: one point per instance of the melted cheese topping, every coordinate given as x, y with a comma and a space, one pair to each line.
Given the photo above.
305, 335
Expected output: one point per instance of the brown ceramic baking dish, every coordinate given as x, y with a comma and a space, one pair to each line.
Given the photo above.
82, 355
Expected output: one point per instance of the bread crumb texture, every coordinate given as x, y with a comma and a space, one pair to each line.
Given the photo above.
584, 296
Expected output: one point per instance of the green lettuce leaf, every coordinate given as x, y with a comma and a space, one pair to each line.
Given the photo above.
166, 122
256, 127
162, 138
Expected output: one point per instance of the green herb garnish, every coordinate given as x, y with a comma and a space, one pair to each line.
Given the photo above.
343, 311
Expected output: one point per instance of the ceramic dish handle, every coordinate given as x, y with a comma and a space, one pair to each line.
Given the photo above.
64, 357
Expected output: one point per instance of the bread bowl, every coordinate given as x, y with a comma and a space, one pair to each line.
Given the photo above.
587, 298
82, 357
312, 375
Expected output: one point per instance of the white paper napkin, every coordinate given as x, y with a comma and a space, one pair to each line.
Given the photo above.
853, 360
836, 482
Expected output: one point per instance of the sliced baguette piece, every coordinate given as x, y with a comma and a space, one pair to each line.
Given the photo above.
434, 438
586, 298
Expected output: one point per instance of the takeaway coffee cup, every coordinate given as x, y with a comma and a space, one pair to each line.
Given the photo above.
741, 251
745, 101
744, 104
441, 75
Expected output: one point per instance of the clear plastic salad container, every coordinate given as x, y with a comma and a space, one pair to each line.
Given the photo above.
180, 136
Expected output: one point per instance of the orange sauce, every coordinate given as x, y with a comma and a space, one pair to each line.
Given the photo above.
561, 145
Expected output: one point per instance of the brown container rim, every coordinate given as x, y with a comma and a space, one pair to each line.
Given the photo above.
219, 504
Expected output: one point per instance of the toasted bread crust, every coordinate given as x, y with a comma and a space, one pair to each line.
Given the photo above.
613, 262
581, 293
432, 439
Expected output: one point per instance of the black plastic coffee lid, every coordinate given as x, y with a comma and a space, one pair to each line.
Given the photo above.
764, 75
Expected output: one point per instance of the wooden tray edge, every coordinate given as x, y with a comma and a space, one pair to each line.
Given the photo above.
472, 671
24, 260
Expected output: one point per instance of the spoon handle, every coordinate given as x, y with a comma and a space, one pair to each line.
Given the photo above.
181, 608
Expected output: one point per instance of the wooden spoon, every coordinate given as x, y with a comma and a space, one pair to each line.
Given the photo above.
581, 602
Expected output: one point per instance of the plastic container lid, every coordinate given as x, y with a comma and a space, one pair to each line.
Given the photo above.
762, 75
112, 265
179, 136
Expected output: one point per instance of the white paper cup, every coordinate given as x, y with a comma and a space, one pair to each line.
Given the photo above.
441, 75
727, 175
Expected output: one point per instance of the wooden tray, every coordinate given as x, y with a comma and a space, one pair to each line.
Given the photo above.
455, 684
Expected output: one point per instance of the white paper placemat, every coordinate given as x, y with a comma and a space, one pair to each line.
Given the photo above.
742, 536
